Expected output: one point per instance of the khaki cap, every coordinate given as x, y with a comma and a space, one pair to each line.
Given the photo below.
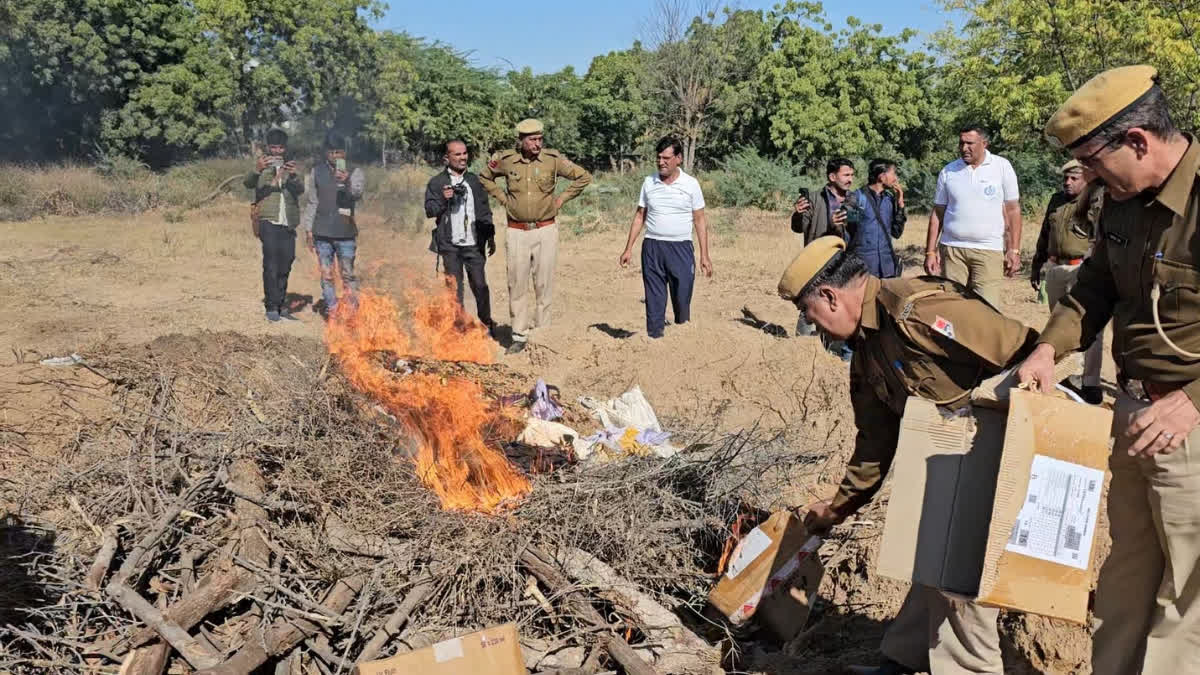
809, 264
1099, 100
1070, 166
529, 127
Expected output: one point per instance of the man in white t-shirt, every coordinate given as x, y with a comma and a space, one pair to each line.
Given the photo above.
976, 219
670, 205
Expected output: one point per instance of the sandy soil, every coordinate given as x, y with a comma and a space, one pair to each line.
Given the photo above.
73, 284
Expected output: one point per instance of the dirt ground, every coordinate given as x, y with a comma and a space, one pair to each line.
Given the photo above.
72, 284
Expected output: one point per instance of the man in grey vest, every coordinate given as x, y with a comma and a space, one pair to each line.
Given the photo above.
330, 229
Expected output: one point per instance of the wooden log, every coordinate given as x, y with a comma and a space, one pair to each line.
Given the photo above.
677, 649
538, 564
225, 585
285, 634
104, 558
148, 660
395, 622
197, 653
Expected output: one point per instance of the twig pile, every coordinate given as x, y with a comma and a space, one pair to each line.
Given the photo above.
240, 507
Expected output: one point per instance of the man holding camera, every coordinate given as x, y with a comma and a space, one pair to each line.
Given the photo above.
274, 215
330, 228
828, 217
458, 202
530, 177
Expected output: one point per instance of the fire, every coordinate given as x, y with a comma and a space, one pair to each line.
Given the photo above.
448, 415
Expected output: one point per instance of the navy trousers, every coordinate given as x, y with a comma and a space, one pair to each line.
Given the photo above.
667, 266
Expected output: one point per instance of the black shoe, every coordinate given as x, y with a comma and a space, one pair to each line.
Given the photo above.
888, 667
516, 348
1092, 395
287, 315
272, 316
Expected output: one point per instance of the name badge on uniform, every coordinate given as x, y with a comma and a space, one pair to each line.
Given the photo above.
1116, 238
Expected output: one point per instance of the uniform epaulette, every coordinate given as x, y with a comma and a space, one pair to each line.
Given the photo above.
552, 152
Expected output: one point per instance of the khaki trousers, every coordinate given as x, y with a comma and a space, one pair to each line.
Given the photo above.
978, 269
1059, 280
1147, 619
530, 252
935, 634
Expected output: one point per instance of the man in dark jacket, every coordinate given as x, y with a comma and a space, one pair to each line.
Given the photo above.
331, 230
826, 218
277, 186
463, 227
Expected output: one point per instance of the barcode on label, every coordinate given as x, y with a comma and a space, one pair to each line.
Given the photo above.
1072, 539
1012, 538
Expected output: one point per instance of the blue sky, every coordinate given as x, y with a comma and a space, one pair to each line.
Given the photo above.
549, 34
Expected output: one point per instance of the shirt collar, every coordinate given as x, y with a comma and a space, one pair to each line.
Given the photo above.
870, 308
658, 178
1178, 189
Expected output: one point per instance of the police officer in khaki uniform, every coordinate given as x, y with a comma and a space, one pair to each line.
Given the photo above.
1065, 240
530, 174
927, 337
1144, 274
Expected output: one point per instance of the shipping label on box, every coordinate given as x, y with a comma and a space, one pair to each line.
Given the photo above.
495, 651
997, 507
773, 572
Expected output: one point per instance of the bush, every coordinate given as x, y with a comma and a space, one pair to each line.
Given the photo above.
749, 179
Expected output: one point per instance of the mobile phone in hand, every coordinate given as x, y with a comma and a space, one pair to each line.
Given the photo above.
341, 164
804, 193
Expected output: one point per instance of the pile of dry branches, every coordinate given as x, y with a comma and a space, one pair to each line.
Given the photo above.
239, 506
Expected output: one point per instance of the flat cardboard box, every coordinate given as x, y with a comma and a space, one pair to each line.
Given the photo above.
773, 574
495, 651
999, 507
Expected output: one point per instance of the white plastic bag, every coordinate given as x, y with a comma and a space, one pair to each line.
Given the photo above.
630, 409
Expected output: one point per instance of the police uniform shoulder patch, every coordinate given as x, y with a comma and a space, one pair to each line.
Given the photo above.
942, 325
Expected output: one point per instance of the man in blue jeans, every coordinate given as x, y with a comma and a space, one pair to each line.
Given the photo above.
330, 229
669, 206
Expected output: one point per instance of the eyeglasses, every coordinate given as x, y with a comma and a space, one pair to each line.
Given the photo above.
1090, 160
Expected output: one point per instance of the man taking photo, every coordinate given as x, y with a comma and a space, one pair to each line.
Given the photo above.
331, 231
463, 227
274, 217
670, 205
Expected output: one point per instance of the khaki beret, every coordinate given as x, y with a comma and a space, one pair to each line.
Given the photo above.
1070, 166
1099, 100
809, 264
529, 127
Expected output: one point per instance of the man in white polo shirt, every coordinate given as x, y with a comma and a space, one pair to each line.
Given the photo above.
670, 205
977, 215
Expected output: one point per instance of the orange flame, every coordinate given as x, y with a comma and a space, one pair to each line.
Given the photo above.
447, 415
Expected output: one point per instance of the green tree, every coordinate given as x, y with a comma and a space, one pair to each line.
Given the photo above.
615, 112
555, 99
851, 92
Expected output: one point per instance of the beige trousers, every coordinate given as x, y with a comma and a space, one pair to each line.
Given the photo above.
1059, 280
978, 269
530, 252
1147, 619
943, 636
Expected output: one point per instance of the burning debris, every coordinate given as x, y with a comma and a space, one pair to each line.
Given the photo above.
244, 503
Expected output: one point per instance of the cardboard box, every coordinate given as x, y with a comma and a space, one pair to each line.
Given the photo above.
495, 651
999, 507
773, 574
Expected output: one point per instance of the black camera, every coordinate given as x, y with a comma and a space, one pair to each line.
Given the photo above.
460, 190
